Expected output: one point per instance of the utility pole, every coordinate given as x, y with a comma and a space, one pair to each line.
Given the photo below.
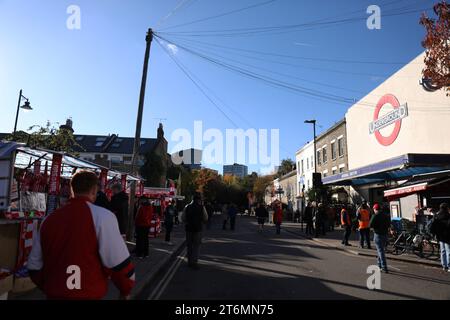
137, 137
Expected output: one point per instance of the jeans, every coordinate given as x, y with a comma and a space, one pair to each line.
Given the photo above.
142, 241
169, 228
445, 254
380, 242
347, 233
278, 226
364, 234
193, 241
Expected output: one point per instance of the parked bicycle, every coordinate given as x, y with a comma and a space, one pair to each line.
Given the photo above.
412, 241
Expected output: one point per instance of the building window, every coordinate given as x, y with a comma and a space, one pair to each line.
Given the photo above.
333, 151
341, 170
116, 160
324, 155
298, 167
340, 147
302, 168
312, 162
307, 163
334, 172
99, 144
324, 174
318, 158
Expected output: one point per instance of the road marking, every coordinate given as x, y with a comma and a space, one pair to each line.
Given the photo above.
162, 285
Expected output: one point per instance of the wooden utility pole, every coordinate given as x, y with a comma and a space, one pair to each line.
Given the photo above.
137, 137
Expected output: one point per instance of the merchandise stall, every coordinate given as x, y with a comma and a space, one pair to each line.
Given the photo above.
33, 183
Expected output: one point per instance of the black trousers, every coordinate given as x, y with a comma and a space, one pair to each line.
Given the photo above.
278, 227
142, 241
232, 222
193, 241
364, 235
169, 228
347, 233
309, 228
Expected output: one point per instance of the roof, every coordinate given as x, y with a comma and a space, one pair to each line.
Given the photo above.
332, 128
112, 144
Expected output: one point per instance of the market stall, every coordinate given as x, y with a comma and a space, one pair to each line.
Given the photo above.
34, 183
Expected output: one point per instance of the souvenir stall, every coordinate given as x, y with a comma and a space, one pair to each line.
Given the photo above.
33, 183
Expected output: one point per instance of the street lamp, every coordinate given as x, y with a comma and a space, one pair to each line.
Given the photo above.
279, 191
26, 106
313, 122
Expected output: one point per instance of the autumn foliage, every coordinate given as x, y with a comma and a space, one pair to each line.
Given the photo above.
437, 45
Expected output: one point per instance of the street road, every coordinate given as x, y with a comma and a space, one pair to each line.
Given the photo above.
245, 264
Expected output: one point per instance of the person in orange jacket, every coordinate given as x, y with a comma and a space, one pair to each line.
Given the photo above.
278, 217
363, 215
346, 222
143, 222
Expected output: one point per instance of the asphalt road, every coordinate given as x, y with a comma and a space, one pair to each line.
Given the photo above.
245, 264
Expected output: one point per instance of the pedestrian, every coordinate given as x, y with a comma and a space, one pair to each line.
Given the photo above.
331, 215
225, 216
346, 223
142, 223
380, 223
278, 217
169, 215
194, 215
102, 200
232, 212
363, 216
261, 214
440, 227
271, 213
119, 206
78, 248
308, 217
319, 220
210, 211
420, 219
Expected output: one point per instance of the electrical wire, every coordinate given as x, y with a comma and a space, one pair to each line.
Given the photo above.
178, 6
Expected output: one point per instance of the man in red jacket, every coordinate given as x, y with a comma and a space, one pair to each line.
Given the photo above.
79, 247
278, 218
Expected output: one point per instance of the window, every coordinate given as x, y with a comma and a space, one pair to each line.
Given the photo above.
116, 145
333, 150
324, 174
298, 167
100, 139
303, 168
341, 147
312, 162
324, 154
99, 144
334, 172
307, 163
80, 138
341, 170
116, 159
318, 158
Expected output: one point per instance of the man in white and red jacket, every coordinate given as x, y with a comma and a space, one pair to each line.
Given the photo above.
79, 248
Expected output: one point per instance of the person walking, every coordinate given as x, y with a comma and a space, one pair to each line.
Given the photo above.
346, 223
210, 210
225, 216
142, 222
308, 217
119, 206
380, 223
363, 216
440, 227
331, 215
319, 220
194, 215
169, 216
78, 248
232, 213
261, 214
278, 217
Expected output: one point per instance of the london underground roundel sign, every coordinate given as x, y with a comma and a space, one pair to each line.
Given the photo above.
392, 118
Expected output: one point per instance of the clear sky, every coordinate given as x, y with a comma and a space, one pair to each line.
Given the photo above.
93, 74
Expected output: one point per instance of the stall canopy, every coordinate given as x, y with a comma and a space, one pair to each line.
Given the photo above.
70, 164
418, 183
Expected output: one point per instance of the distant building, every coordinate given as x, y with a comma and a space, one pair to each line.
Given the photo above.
237, 170
189, 158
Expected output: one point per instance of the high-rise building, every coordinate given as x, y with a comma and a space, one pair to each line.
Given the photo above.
237, 170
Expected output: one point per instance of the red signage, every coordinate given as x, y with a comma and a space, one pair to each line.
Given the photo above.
55, 174
394, 117
405, 190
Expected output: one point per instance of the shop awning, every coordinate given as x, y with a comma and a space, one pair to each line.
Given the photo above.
399, 168
418, 183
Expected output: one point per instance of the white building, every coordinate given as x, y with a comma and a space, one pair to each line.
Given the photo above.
305, 168
397, 131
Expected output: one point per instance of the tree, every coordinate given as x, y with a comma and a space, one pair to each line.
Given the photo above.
151, 170
437, 44
47, 137
260, 185
287, 165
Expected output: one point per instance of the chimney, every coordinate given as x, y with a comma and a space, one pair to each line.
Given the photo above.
68, 126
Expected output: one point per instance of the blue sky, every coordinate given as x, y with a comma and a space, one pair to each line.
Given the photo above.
93, 74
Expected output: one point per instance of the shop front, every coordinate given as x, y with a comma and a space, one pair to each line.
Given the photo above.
394, 133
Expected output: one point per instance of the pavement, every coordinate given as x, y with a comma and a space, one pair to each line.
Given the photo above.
333, 239
160, 254
247, 264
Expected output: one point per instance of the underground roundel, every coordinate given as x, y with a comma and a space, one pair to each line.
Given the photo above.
390, 119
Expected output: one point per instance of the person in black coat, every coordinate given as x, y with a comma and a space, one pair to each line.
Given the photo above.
119, 206
102, 200
308, 218
440, 227
261, 214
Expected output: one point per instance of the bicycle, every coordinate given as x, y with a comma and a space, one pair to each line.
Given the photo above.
412, 241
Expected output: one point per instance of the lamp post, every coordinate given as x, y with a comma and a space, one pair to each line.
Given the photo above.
26, 106
313, 122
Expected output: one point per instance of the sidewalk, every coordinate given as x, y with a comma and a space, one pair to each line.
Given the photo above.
333, 239
146, 270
